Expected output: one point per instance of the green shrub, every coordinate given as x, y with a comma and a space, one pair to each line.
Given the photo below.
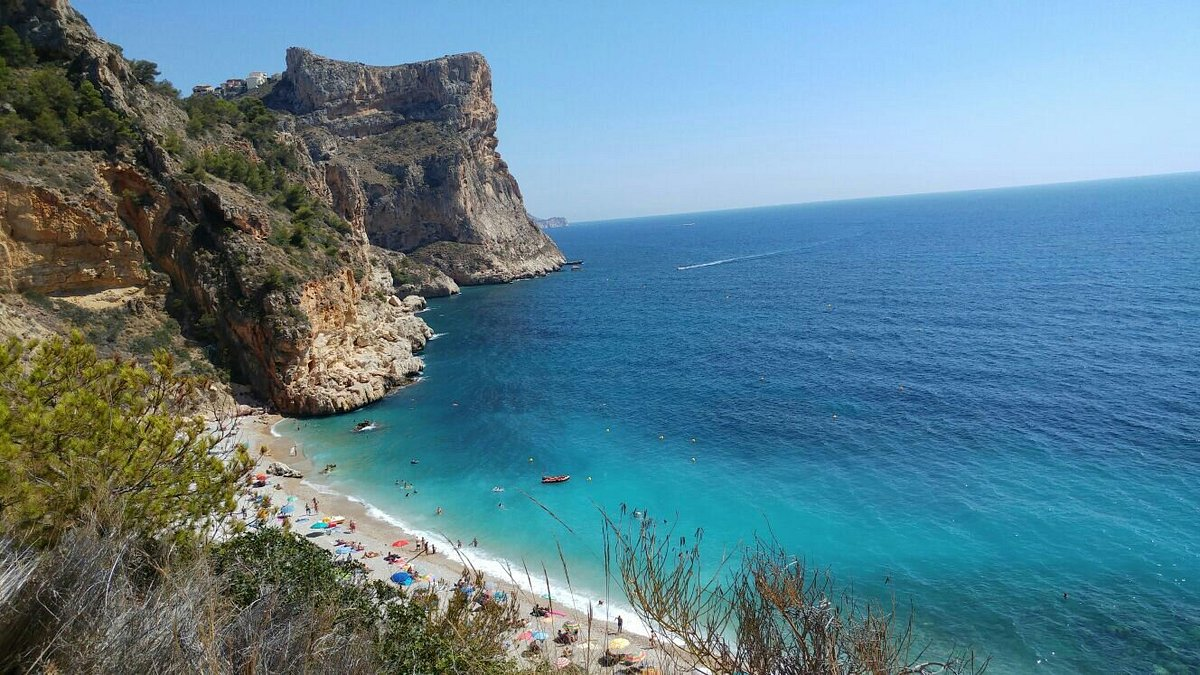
17, 52
44, 106
83, 438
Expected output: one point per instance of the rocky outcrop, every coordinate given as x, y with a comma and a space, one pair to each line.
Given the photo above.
419, 140
549, 223
283, 470
65, 240
393, 191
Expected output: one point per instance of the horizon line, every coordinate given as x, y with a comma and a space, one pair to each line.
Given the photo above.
889, 196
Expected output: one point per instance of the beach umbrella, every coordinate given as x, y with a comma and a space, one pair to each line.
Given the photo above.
261, 476
343, 550
400, 542
525, 635
319, 525
540, 635
291, 498
562, 662
402, 578
617, 644
287, 509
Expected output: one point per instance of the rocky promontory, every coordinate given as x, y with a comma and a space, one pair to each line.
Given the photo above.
279, 239
420, 141
550, 223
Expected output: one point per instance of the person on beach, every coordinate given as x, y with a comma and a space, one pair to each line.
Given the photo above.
353, 526
620, 624
307, 509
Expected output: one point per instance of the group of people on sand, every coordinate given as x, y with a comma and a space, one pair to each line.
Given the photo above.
423, 546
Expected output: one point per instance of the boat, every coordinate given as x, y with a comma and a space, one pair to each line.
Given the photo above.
556, 479
365, 425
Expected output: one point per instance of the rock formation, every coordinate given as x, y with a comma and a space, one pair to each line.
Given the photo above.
420, 140
381, 183
550, 223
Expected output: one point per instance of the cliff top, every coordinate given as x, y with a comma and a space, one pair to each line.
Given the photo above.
450, 88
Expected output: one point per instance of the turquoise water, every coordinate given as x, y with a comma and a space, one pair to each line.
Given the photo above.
989, 397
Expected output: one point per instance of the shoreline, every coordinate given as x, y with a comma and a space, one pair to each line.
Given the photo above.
376, 530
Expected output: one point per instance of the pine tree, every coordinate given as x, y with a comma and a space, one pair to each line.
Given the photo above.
84, 437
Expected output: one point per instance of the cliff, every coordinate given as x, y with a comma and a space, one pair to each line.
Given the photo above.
550, 223
420, 141
277, 242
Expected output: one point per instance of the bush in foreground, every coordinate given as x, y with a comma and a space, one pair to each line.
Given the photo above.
84, 438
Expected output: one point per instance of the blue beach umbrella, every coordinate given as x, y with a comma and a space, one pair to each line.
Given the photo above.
287, 509
319, 525
540, 635
402, 578
343, 550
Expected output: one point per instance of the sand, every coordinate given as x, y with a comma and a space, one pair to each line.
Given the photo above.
446, 566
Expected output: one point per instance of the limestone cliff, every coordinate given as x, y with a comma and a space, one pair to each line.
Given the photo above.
420, 140
550, 223
280, 243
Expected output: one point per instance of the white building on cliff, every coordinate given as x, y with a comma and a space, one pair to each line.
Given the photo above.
255, 80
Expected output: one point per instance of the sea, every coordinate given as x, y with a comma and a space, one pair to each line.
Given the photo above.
985, 405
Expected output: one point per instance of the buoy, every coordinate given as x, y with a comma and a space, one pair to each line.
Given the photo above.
606, 429
693, 460
661, 437
693, 439
531, 459
835, 416
589, 478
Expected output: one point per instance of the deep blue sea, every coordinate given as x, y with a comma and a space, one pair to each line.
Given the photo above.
990, 398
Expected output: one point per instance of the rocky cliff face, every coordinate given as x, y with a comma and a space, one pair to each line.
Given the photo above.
419, 140
65, 239
296, 279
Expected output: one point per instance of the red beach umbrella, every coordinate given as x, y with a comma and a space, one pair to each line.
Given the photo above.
400, 542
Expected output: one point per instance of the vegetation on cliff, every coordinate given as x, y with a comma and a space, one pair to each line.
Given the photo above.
41, 106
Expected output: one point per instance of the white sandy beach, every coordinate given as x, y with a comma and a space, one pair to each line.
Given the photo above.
373, 538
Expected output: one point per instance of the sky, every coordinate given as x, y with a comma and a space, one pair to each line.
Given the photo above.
619, 109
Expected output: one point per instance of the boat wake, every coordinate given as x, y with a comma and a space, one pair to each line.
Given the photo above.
756, 256
737, 259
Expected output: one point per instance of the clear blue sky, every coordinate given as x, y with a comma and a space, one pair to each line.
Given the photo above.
612, 109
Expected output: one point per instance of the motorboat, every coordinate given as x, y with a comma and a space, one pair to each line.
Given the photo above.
556, 479
365, 425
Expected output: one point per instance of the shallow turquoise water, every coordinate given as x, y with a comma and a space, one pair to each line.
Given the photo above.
1014, 375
